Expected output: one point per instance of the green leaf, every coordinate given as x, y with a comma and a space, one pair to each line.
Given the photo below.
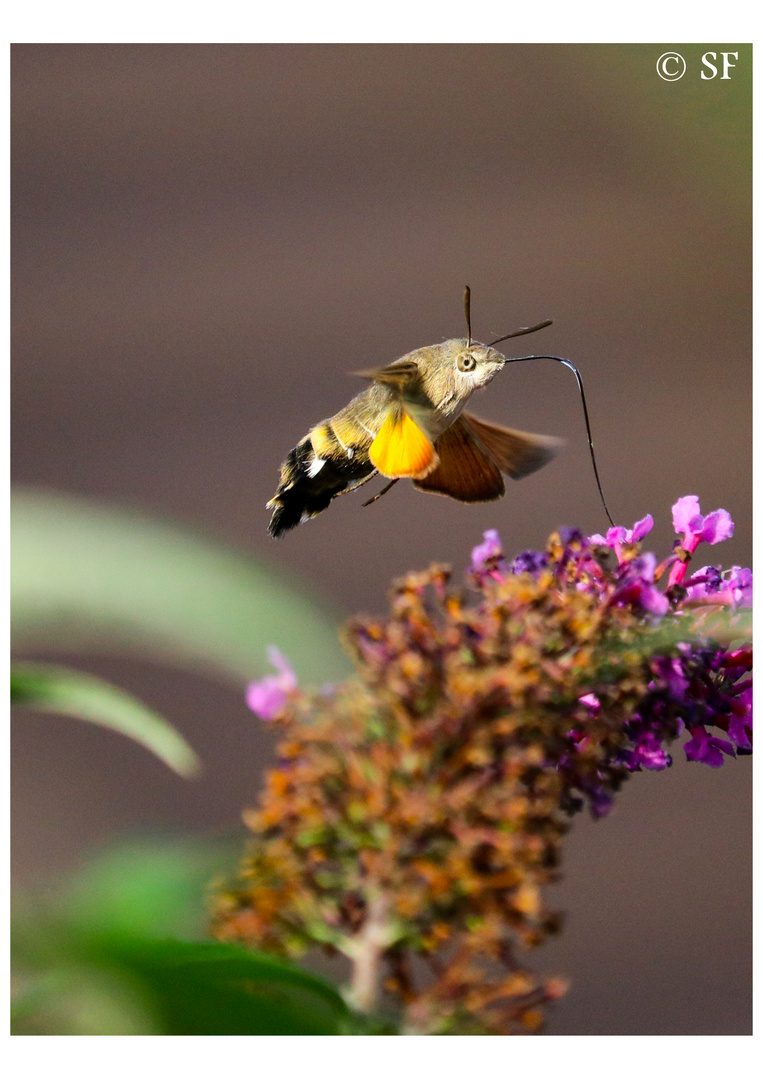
49, 688
73, 979
76, 999
87, 576
70, 978
98, 985
104, 957
210, 988
151, 887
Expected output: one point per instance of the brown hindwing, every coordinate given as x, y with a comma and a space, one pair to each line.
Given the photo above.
465, 472
516, 453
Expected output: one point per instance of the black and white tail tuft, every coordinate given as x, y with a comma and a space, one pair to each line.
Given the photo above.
309, 483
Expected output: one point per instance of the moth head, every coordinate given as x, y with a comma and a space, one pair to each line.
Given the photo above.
449, 373
474, 365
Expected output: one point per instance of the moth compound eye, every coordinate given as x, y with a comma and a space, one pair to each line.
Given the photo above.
466, 362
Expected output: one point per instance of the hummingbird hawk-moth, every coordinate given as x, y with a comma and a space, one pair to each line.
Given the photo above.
411, 423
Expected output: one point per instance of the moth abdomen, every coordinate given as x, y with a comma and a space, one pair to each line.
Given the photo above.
319, 468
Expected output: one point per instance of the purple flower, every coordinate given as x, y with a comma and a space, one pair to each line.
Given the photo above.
636, 586
266, 697
619, 535
732, 588
575, 563
738, 700
487, 557
707, 748
571, 537
703, 583
739, 582
373, 647
529, 562
591, 701
670, 671
694, 528
600, 802
739, 658
740, 721
687, 520
647, 753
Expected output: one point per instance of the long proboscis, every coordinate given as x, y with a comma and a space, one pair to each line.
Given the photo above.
574, 370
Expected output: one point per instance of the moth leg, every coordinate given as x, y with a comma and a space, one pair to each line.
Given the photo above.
383, 491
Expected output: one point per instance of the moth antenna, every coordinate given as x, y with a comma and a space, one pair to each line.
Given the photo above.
383, 491
571, 366
468, 313
522, 330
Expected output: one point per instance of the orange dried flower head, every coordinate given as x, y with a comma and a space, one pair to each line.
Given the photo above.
418, 809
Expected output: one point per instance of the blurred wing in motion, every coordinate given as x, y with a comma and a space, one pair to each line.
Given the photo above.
465, 472
516, 453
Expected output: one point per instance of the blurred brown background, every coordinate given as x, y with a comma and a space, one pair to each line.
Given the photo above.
207, 238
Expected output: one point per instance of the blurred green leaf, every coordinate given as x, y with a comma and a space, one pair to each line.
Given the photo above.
104, 958
76, 999
152, 887
88, 576
209, 988
49, 688
98, 984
